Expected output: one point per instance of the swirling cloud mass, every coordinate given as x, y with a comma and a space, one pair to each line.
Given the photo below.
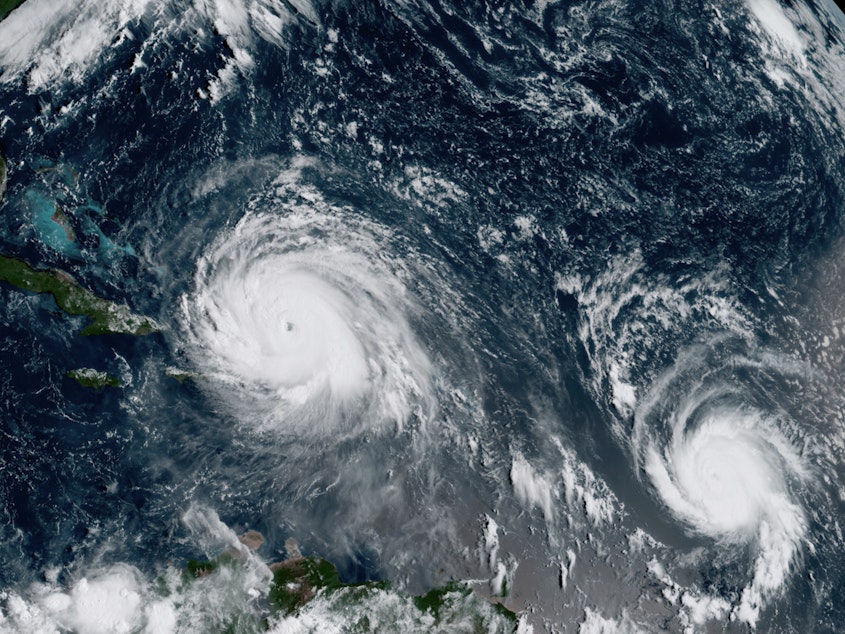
297, 317
728, 470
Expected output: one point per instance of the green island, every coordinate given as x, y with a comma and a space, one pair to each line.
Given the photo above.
298, 582
89, 377
304, 585
106, 317
6, 7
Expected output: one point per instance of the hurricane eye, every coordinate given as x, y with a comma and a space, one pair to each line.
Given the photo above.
281, 320
726, 470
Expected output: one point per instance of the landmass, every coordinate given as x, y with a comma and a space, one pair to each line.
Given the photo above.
88, 377
106, 317
177, 374
60, 218
453, 607
6, 7
299, 583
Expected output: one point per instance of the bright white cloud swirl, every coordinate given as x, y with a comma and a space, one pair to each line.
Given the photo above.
301, 321
728, 467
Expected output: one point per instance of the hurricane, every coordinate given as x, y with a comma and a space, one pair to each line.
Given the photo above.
726, 460
422, 316
301, 319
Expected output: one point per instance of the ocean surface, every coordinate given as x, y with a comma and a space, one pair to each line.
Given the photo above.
547, 297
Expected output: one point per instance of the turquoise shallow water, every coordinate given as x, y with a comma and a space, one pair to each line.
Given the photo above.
542, 296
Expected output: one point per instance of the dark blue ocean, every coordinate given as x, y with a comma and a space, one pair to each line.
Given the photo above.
543, 296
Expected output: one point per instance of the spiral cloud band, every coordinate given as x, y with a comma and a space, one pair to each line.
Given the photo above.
725, 474
729, 470
299, 319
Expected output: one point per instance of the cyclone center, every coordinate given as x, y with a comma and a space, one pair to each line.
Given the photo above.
725, 473
289, 330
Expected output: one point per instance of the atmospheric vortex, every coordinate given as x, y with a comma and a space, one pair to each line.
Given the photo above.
297, 319
729, 467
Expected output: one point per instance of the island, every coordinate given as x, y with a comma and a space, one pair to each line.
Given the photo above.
6, 7
296, 582
89, 377
300, 583
177, 374
106, 317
